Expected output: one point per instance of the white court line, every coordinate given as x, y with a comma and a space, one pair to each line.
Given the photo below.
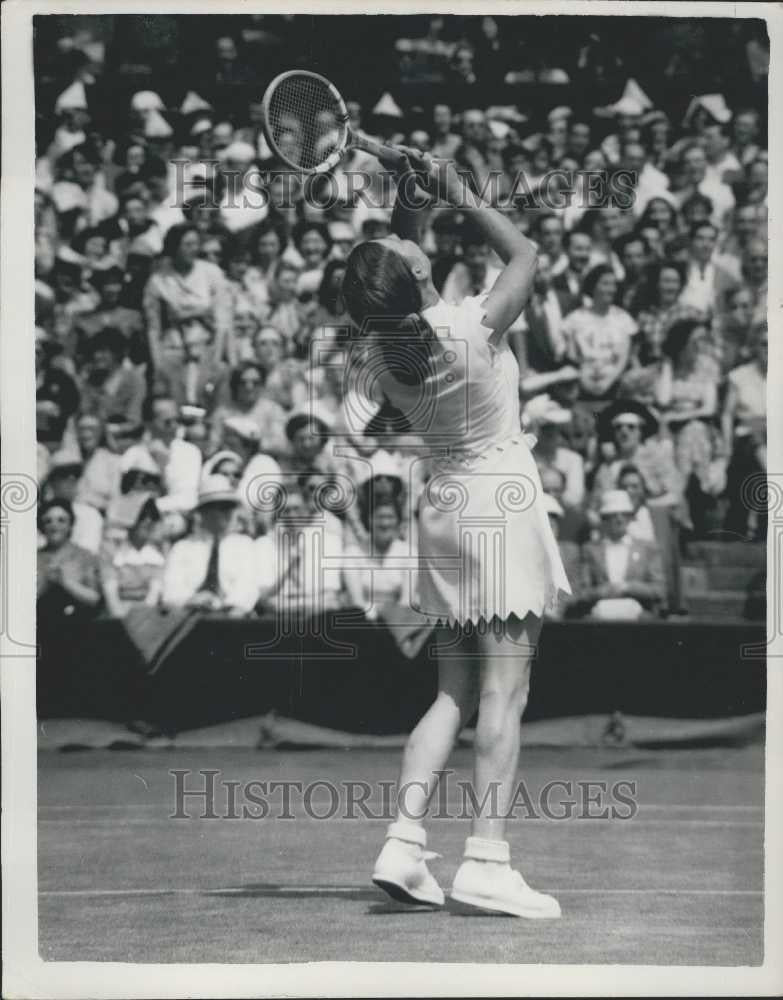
325, 890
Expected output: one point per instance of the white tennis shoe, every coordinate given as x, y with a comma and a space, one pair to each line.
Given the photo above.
497, 888
401, 871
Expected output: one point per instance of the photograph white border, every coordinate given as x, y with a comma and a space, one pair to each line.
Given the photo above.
25, 975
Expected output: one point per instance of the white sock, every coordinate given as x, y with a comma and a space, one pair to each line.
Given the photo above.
482, 849
410, 833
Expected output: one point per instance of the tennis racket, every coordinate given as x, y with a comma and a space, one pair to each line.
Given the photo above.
306, 124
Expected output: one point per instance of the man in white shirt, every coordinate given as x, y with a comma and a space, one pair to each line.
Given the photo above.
697, 179
178, 460
723, 167
212, 569
707, 282
621, 578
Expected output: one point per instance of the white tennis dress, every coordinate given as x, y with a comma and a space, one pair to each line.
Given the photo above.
485, 545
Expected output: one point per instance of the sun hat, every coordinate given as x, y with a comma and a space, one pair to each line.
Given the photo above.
216, 489
622, 407
615, 502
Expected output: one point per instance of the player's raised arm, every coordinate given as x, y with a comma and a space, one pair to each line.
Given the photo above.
512, 289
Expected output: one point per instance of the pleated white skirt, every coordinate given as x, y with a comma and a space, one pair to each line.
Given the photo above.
486, 548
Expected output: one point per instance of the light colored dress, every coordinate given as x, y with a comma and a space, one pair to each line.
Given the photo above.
485, 545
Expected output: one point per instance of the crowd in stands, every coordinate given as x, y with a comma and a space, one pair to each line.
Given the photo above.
191, 338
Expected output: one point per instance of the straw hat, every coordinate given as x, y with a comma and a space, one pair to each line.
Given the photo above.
615, 502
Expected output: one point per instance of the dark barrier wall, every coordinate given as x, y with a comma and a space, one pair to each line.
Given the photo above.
352, 676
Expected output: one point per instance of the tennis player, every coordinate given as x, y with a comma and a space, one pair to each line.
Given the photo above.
500, 592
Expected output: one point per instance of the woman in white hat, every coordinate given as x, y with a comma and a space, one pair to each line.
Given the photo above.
450, 370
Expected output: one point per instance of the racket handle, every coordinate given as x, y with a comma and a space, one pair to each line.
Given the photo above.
389, 153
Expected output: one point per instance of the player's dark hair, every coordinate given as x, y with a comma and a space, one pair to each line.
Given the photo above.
381, 293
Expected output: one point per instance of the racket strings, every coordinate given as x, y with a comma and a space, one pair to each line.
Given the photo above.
305, 122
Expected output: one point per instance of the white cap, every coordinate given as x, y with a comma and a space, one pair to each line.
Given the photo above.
388, 106
200, 125
156, 126
147, 100
715, 104
556, 114
216, 489
498, 129
615, 502
73, 98
194, 102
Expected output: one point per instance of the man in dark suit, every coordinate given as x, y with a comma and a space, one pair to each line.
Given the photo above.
621, 577
568, 283
202, 380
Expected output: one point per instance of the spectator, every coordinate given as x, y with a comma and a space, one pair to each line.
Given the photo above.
178, 461
100, 478
86, 527
445, 143
568, 283
630, 428
132, 575
634, 253
200, 379
537, 338
707, 282
109, 383
599, 336
733, 326
698, 180
745, 431
248, 399
569, 550
110, 313
308, 432
213, 570
654, 526
68, 576
377, 585
549, 235
546, 420
187, 288
56, 393
745, 131
660, 215
687, 399
622, 578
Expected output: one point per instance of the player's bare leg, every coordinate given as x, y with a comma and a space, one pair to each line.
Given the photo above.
485, 879
401, 869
